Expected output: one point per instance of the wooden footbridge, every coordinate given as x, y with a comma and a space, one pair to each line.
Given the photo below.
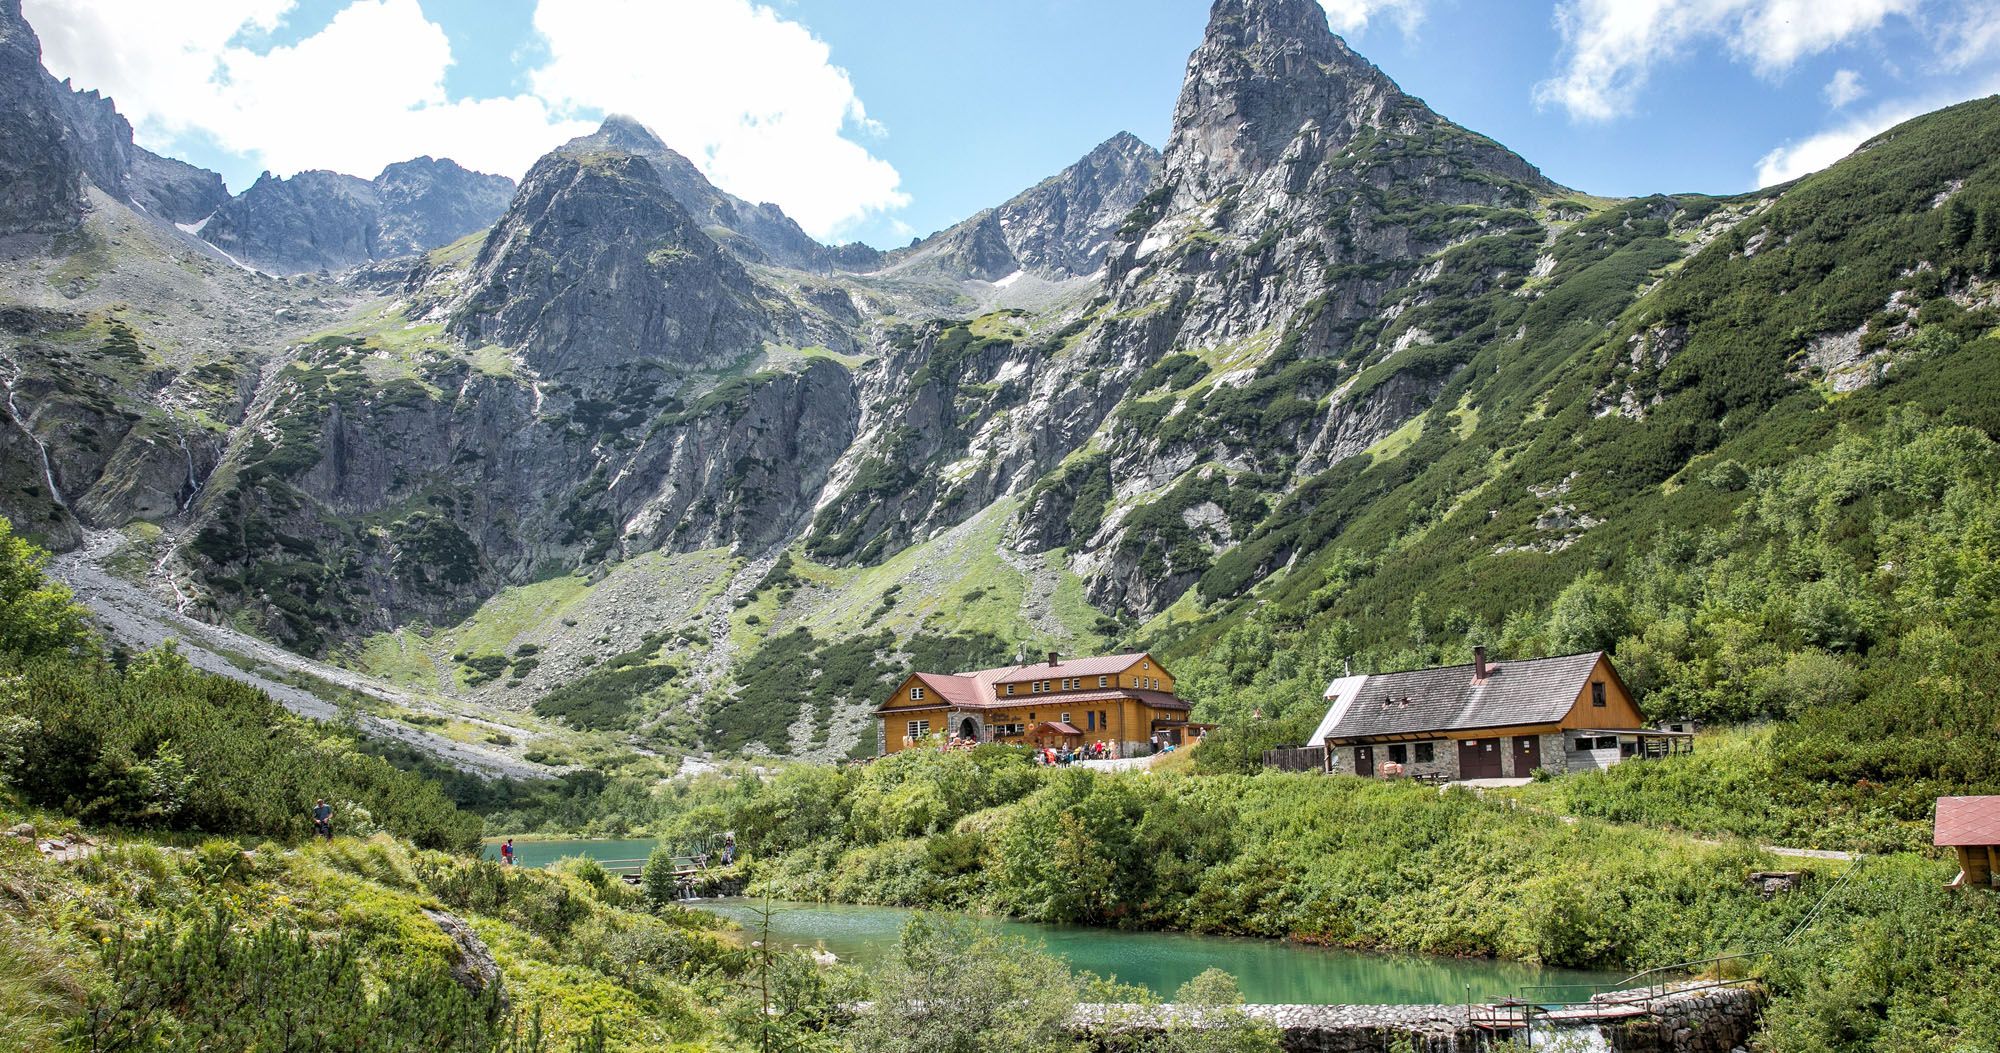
1557, 1007
691, 861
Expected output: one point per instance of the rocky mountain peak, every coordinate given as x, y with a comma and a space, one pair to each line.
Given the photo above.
1267, 72
760, 233
1060, 228
619, 132
596, 263
1124, 144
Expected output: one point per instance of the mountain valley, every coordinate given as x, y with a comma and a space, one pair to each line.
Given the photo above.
602, 457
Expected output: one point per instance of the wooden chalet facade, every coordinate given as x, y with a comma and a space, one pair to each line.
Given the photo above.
1970, 827
1127, 699
1488, 720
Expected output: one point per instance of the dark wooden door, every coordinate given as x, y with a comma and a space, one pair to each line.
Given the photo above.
1364, 760
1527, 755
1479, 759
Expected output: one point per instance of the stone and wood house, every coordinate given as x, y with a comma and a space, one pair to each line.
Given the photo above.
1127, 699
1488, 720
1970, 827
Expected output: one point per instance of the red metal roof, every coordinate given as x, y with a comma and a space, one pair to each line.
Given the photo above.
1103, 665
975, 690
1967, 821
1060, 728
1156, 699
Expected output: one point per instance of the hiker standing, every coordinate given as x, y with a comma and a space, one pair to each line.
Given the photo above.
507, 853
322, 816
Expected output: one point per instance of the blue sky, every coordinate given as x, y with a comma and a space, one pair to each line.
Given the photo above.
878, 120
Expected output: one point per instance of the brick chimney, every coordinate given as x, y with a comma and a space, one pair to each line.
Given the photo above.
1479, 669
1054, 658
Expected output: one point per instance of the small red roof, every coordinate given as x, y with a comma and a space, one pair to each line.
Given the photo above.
1060, 728
957, 690
1967, 821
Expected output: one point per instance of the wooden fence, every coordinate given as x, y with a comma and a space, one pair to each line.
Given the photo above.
1296, 758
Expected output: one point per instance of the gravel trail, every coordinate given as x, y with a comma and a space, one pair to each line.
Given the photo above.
139, 620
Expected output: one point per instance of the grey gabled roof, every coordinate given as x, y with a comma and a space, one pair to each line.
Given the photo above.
1530, 691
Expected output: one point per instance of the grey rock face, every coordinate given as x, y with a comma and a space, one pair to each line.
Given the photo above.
1065, 224
1267, 69
1274, 227
311, 222
475, 970
596, 264
321, 220
1060, 228
428, 202
759, 233
172, 190
41, 169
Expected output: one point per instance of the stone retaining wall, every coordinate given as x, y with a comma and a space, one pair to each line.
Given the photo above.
1719, 1020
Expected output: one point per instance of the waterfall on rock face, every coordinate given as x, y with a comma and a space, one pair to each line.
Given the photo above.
191, 488
48, 469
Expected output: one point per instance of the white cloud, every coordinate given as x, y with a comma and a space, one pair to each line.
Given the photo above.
367, 91
1845, 87
750, 97
363, 92
1817, 151
1808, 155
1612, 46
1353, 16
1969, 33
158, 60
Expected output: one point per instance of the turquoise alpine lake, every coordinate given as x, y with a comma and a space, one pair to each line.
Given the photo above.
1267, 971
542, 853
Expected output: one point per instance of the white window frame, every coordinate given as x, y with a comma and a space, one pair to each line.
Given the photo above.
918, 730
916, 694
1103, 681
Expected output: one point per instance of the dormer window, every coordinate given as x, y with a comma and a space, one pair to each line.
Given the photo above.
1103, 681
1010, 689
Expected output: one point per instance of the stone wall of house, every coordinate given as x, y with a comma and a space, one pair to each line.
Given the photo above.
1444, 760
1555, 754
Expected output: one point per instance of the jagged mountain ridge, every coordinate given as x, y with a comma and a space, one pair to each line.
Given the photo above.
1335, 322
1058, 229
171, 189
40, 167
59, 139
327, 221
